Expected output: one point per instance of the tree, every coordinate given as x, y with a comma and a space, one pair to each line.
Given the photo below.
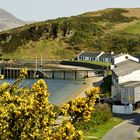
25, 113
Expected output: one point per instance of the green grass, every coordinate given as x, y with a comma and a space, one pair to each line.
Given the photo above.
48, 50
99, 131
133, 29
106, 64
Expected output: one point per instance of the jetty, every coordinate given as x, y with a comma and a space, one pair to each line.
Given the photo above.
50, 69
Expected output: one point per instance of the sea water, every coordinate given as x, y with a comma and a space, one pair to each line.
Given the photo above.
61, 90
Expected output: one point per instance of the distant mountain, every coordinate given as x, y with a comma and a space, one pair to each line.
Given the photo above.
114, 29
8, 21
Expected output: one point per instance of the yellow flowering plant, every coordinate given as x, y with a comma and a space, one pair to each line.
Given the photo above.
81, 108
26, 113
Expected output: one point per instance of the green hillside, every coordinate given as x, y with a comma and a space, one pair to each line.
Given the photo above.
63, 38
133, 29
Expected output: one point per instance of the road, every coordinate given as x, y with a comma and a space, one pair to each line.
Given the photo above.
127, 130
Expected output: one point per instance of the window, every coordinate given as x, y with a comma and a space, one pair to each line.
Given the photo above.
126, 57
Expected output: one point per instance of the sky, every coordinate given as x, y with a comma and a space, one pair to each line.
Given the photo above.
38, 10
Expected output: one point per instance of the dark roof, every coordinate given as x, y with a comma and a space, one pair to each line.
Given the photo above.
95, 54
89, 54
106, 55
126, 67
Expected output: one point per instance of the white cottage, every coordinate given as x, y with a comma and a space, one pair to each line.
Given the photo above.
96, 56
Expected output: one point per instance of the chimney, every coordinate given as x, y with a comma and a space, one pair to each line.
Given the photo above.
112, 53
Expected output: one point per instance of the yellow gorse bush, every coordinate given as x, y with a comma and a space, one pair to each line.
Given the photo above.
25, 113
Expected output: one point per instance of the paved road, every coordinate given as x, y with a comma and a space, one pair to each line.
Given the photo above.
126, 130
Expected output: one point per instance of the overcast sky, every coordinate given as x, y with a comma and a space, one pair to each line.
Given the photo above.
35, 10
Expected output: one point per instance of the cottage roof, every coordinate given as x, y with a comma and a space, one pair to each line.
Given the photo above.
107, 55
89, 54
126, 67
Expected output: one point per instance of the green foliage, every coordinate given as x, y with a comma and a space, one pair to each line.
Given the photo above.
114, 15
123, 42
100, 130
101, 115
106, 85
104, 64
133, 29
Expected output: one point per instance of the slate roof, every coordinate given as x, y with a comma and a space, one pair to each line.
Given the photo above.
106, 55
89, 54
126, 67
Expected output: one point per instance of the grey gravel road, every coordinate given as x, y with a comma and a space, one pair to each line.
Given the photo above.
126, 130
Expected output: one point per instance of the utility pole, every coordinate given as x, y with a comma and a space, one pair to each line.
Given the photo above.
41, 64
36, 64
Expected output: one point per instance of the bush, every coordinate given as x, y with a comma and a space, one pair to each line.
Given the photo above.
106, 85
101, 114
25, 113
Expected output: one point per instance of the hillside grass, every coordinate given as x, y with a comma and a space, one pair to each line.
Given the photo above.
112, 29
48, 50
133, 29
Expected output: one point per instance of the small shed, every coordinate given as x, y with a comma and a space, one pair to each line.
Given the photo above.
130, 93
126, 93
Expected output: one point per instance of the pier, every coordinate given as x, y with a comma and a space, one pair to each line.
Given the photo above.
10, 72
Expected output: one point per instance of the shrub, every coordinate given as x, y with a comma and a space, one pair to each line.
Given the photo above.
101, 115
25, 113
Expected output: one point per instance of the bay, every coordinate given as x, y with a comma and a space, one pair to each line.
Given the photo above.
61, 90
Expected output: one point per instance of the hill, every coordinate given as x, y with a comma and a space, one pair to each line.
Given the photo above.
8, 21
63, 38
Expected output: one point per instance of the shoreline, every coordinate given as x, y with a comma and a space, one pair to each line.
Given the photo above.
89, 83
80, 93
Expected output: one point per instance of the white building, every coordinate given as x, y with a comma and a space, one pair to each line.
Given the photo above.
126, 71
126, 93
123, 57
96, 56
125, 90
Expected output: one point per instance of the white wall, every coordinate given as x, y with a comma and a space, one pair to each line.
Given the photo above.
134, 76
127, 95
137, 94
122, 109
125, 57
87, 58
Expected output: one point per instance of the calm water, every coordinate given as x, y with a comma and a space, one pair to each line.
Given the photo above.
61, 90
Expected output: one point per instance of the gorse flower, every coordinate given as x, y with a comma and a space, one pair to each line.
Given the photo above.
25, 113
23, 73
81, 108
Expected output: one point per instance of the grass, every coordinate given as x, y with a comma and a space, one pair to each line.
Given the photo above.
48, 50
106, 64
133, 29
99, 131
